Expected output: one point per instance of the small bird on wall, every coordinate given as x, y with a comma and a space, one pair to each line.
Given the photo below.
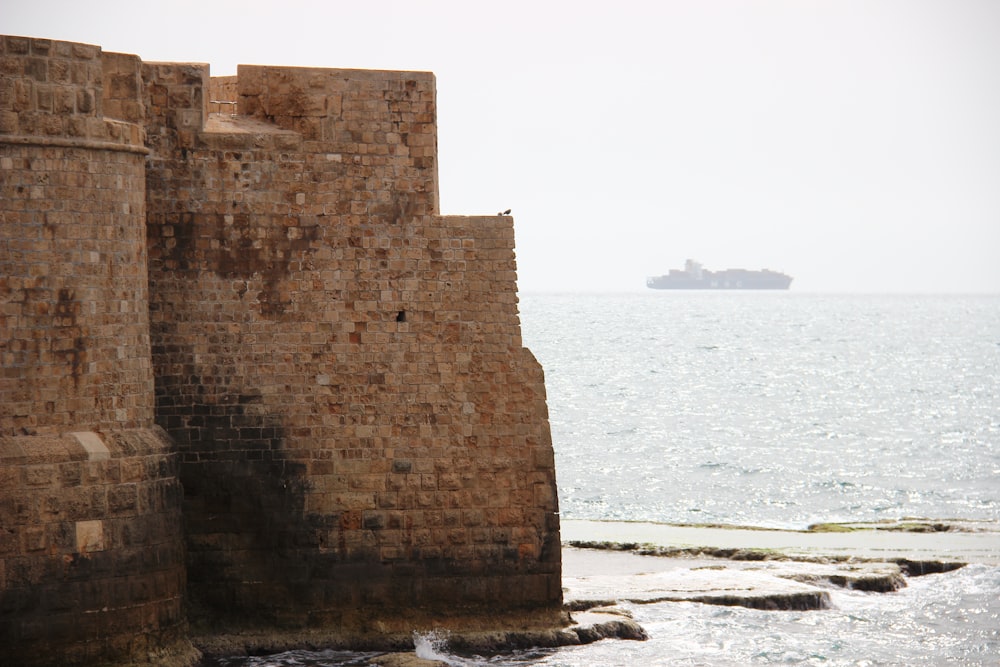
507, 212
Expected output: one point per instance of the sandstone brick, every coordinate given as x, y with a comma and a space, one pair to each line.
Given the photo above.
89, 536
9, 122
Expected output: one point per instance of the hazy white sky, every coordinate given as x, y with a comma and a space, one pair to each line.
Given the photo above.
854, 144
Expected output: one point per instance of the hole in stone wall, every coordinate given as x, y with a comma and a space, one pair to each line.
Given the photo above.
401, 316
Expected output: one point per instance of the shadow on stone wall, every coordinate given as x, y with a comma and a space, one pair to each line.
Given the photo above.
244, 508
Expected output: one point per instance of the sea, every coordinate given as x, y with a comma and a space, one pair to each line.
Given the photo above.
777, 410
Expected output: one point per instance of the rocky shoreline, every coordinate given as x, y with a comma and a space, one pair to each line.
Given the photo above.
746, 578
761, 569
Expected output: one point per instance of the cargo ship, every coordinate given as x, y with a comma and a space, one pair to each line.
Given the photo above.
693, 276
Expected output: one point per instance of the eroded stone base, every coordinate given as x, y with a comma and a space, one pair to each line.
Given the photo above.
91, 553
482, 634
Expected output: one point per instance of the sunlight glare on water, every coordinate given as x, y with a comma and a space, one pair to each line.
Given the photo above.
771, 409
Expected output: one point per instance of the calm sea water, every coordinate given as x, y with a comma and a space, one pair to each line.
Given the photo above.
771, 409
779, 410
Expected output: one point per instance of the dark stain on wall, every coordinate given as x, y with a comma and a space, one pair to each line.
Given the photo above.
254, 551
68, 345
244, 507
71, 341
238, 245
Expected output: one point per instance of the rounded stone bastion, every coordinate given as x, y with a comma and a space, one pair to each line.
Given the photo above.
91, 551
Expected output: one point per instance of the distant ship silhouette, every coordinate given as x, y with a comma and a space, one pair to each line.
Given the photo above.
693, 276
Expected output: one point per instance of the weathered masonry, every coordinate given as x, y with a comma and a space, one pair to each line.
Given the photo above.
231, 305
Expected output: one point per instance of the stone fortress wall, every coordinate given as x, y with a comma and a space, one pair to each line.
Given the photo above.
235, 300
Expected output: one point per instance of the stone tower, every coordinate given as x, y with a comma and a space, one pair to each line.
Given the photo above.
91, 553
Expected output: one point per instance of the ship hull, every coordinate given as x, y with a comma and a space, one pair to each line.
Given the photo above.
730, 279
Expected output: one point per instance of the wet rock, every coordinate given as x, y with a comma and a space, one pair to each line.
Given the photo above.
872, 577
586, 628
595, 626
404, 660
799, 601
917, 568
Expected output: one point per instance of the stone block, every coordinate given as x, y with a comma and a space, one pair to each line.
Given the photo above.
93, 445
41, 475
90, 536
17, 45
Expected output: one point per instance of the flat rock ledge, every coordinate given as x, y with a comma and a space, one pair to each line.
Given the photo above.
710, 586
764, 580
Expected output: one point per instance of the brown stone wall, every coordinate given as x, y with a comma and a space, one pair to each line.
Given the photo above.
90, 552
73, 285
340, 366
75, 349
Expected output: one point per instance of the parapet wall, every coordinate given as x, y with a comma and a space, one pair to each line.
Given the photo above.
257, 264
53, 93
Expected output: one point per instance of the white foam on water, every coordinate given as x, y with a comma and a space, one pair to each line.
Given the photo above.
432, 646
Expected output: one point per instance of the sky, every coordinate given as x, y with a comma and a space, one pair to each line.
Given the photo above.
853, 144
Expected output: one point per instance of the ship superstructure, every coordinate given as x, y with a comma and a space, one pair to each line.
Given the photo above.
694, 276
